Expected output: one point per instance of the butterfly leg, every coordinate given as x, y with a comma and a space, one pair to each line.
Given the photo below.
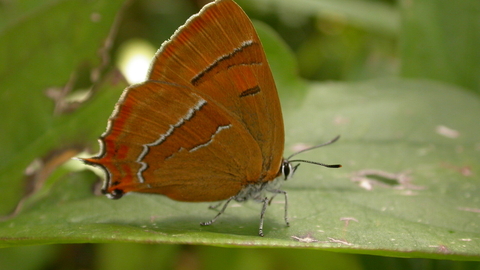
219, 213
278, 191
271, 199
262, 215
215, 206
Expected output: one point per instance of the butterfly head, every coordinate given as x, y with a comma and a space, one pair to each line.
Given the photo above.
288, 169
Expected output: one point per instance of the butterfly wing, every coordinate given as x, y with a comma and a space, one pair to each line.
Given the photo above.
165, 139
219, 54
206, 123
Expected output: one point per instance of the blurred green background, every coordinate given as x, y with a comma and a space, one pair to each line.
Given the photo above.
50, 49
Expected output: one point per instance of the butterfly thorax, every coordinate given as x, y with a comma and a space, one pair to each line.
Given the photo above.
257, 191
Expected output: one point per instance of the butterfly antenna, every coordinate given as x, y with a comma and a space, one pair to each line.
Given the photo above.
313, 147
317, 163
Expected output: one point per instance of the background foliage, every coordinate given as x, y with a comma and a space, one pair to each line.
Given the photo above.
398, 80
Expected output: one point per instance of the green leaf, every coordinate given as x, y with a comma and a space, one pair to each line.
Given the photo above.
433, 216
410, 155
373, 16
52, 47
440, 41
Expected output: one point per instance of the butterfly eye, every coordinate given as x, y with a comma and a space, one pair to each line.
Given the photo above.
288, 170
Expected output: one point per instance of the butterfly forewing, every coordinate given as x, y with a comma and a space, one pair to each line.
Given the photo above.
218, 53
